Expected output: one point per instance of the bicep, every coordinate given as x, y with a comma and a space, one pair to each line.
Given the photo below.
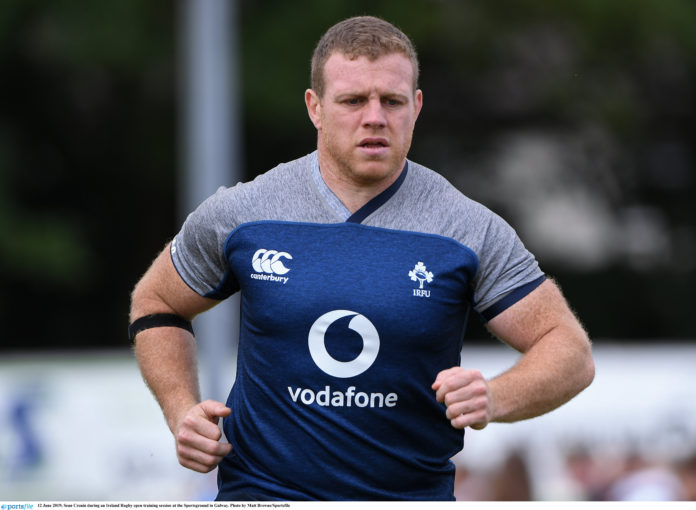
540, 312
162, 290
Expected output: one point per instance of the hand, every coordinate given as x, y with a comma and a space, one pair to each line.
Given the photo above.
197, 437
466, 395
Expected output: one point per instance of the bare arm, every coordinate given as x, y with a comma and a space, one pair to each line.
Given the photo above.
167, 360
556, 365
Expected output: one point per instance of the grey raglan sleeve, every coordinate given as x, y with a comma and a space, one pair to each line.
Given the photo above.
197, 251
507, 270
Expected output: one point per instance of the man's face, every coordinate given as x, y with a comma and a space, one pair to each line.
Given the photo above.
365, 118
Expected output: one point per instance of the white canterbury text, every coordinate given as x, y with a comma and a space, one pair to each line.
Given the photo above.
269, 277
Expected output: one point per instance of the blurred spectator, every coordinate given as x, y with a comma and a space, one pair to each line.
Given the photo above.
686, 470
512, 482
582, 471
471, 485
509, 482
591, 474
646, 481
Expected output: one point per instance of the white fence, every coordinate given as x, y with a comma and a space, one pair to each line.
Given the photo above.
85, 427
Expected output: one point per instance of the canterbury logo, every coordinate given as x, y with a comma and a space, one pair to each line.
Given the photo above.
268, 261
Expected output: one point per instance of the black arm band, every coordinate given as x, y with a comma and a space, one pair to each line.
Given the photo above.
158, 320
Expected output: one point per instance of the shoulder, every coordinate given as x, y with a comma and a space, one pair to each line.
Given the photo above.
286, 178
444, 209
274, 194
433, 204
286, 173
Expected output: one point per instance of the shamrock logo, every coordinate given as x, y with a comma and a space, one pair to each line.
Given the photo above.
421, 274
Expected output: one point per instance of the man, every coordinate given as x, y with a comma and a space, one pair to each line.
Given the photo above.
357, 270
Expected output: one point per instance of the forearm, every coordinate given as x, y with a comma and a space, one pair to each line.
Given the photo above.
550, 373
167, 355
167, 360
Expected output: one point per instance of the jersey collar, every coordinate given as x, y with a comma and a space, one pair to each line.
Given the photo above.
381, 199
341, 210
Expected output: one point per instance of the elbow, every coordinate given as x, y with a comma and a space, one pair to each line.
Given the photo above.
589, 372
587, 367
138, 302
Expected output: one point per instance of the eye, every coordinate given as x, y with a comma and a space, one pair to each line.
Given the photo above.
352, 101
392, 102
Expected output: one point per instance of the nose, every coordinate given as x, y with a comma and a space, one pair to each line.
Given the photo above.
373, 114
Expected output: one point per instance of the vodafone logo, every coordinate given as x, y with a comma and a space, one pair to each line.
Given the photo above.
361, 325
350, 397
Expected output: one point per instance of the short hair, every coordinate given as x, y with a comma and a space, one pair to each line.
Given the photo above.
361, 36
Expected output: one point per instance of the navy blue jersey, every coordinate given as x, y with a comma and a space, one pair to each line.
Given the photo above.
346, 319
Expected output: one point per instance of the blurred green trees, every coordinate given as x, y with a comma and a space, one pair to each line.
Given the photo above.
574, 120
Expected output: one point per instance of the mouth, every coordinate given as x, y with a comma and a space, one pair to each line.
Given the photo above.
373, 143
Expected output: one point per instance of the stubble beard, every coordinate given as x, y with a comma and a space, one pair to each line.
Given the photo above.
347, 165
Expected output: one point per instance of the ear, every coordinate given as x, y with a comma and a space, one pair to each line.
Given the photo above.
418, 102
313, 107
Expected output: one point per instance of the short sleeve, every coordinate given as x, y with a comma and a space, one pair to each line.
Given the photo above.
507, 270
197, 251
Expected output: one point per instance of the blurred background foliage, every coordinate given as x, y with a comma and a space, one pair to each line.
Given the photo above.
573, 120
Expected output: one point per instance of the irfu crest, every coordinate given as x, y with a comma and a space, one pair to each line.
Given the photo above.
421, 274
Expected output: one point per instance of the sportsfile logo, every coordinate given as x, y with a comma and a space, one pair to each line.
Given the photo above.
269, 266
352, 397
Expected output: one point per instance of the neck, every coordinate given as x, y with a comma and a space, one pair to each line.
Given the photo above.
352, 192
